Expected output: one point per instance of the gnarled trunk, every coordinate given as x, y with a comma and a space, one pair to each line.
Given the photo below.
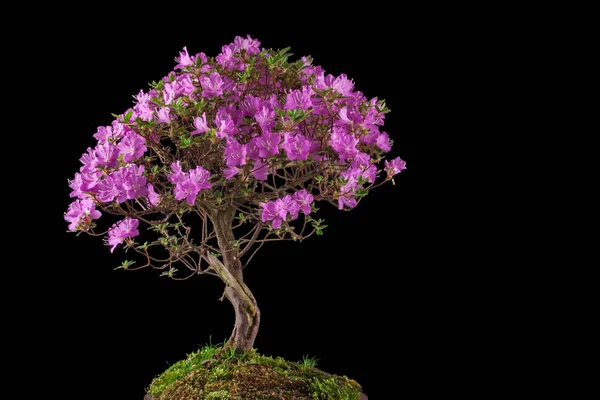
247, 321
247, 314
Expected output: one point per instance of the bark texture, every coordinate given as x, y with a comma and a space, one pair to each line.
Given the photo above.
247, 314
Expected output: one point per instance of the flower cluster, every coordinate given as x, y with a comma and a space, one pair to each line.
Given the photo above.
189, 184
277, 211
249, 128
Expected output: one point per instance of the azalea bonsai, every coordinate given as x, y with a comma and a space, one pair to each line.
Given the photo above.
223, 155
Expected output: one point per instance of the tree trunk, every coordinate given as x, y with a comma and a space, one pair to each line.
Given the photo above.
247, 314
247, 321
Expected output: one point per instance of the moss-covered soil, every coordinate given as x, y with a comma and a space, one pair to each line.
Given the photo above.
216, 374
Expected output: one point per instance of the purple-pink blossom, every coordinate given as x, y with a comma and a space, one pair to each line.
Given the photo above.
184, 86
81, 213
265, 118
298, 99
346, 201
250, 106
271, 213
106, 133
107, 190
89, 181
268, 144
127, 183
200, 125
169, 92
344, 143
289, 206
383, 142
213, 85
122, 230
164, 115
107, 154
277, 211
153, 197
235, 153
230, 172
75, 184
184, 59
296, 146
395, 166
132, 146
225, 125
188, 185
144, 106
304, 200
89, 161
226, 57
134, 181
341, 84
260, 171
177, 175
252, 46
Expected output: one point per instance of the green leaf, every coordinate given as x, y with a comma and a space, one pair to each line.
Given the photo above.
318, 178
185, 141
279, 112
125, 264
170, 273
128, 116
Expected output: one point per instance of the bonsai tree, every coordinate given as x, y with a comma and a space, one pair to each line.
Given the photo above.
223, 155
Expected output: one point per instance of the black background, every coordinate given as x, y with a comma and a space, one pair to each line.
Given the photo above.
351, 298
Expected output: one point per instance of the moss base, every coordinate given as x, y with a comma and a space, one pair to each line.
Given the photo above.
216, 374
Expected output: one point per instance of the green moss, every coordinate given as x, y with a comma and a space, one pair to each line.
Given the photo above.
332, 389
213, 373
218, 395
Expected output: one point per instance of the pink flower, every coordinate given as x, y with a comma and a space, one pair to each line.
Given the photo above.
383, 142
188, 185
346, 201
299, 99
230, 172
200, 125
89, 161
225, 125
153, 197
344, 143
122, 230
107, 154
235, 153
260, 170
304, 200
80, 214
395, 166
252, 46
296, 146
132, 146
213, 85
268, 144
184, 86
184, 59
164, 115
